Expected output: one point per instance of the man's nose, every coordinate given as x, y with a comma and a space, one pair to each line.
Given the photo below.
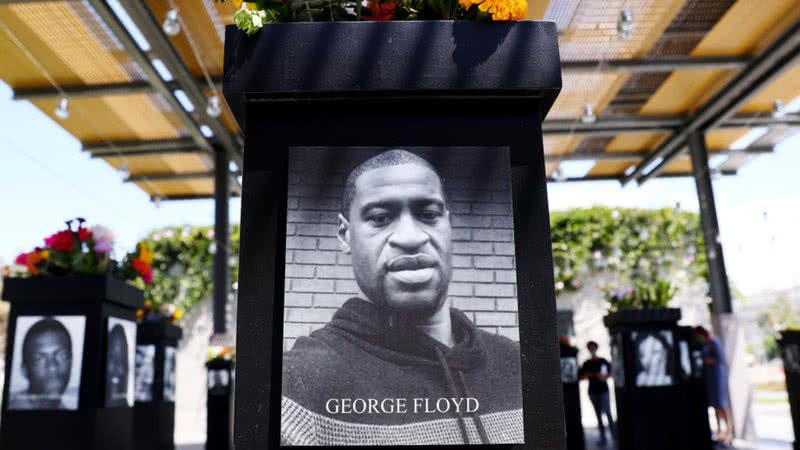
407, 234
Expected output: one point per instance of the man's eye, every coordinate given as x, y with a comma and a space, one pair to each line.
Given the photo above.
379, 219
430, 216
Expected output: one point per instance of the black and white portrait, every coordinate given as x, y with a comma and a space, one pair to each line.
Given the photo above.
686, 359
617, 360
120, 362
46, 362
653, 357
218, 381
400, 308
791, 358
569, 369
145, 372
169, 374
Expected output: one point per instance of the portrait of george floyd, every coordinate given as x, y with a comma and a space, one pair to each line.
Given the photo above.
400, 307
46, 363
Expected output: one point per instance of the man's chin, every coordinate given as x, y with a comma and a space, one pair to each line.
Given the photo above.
414, 304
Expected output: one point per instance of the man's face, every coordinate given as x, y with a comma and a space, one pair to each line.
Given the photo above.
49, 363
592, 349
398, 233
118, 365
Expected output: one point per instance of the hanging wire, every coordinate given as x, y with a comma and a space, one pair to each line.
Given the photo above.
195, 51
24, 49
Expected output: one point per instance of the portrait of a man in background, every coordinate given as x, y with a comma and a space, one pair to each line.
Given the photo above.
654, 353
45, 360
145, 372
398, 364
117, 367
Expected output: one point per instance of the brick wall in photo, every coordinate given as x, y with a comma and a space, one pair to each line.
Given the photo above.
319, 277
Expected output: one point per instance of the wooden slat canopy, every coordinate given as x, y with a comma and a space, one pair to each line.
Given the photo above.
643, 88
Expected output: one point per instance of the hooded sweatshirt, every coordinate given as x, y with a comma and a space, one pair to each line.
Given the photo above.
367, 379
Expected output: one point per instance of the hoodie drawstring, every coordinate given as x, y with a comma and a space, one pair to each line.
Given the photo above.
476, 417
462, 423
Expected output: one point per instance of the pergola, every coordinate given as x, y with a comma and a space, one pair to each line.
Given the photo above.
651, 88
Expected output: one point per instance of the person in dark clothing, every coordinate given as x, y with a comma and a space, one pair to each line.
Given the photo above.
597, 370
400, 366
716, 377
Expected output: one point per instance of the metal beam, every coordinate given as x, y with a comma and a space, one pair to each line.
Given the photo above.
616, 178
98, 90
611, 126
156, 177
221, 274
718, 279
137, 55
656, 64
633, 155
190, 197
765, 68
147, 152
151, 28
126, 147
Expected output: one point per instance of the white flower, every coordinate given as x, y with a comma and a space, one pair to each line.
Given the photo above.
257, 20
560, 285
615, 214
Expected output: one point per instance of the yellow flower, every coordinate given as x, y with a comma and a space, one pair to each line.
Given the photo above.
44, 254
177, 314
145, 254
502, 10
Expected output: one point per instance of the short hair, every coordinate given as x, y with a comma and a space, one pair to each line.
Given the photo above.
701, 330
592, 344
394, 157
46, 325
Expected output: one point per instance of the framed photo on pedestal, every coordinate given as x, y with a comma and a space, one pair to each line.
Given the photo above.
120, 362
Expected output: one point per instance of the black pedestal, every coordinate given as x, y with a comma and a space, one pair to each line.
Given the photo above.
219, 417
657, 407
91, 425
790, 351
572, 398
154, 410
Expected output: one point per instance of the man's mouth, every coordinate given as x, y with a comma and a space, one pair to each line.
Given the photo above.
412, 269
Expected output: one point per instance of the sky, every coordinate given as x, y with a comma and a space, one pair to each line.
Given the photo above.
46, 179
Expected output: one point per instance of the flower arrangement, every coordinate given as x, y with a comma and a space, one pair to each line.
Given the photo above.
252, 16
221, 353
139, 263
76, 250
155, 313
643, 295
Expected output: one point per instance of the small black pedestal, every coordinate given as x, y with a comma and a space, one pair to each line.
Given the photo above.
572, 398
84, 306
656, 407
154, 410
219, 419
790, 351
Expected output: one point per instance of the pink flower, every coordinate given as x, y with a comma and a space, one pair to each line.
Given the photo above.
103, 239
22, 259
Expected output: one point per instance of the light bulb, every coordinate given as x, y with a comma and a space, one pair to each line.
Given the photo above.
213, 108
171, 25
778, 110
62, 109
625, 23
588, 114
558, 175
124, 172
157, 202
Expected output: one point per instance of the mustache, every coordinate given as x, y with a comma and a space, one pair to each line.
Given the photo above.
411, 262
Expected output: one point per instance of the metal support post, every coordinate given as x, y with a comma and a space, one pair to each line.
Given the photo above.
221, 239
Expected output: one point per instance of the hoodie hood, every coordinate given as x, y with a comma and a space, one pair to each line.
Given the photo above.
379, 332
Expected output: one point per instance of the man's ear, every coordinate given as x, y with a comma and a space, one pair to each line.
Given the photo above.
343, 234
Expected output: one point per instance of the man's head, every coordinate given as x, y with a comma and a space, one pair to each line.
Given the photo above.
396, 226
47, 357
117, 362
592, 347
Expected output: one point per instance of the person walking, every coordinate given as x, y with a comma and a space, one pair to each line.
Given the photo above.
716, 378
597, 370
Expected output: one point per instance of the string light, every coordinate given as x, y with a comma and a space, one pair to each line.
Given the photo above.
625, 24
171, 24
62, 109
213, 109
778, 111
124, 172
588, 114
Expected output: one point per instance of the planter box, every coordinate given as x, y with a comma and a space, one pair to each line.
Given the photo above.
154, 419
219, 418
646, 349
790, 351
430, 87
78, 312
